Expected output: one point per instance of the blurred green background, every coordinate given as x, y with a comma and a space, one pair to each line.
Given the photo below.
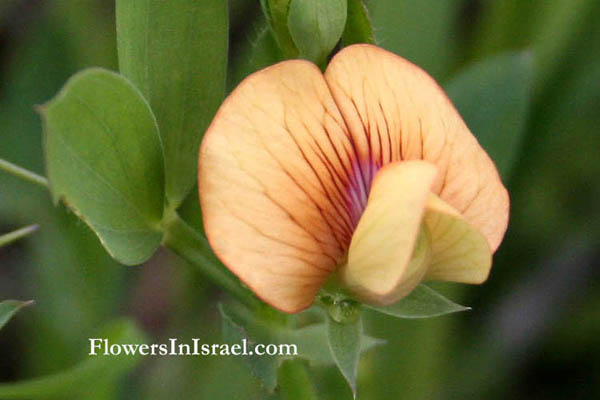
534, 331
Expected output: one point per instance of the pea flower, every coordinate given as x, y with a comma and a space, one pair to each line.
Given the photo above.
365, 175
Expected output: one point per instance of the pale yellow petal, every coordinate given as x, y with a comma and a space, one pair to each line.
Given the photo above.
277, 187
459, 253
395, 111
379, 268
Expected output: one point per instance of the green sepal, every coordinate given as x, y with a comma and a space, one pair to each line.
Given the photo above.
305, 330
345, 345
358, 24
316, 26
422, 302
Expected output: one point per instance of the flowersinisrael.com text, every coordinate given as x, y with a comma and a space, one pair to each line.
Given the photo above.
173, 347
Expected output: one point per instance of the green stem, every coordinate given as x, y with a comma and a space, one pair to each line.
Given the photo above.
16, 235
193, 247
23, 173
179, 237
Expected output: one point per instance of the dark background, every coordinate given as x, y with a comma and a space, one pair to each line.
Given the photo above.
534, 331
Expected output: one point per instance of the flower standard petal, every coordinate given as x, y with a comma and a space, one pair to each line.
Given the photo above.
276, 184
286, 169
395, 111
388, 255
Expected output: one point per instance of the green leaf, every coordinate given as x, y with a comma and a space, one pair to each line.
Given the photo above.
549, 28
9, 308
423, 32
276, 13
345, 346
177, 56
422, 302
311, 340
258, 51
104, 160
316, 26
493, 97
358, 24
559, 25
16, 235
76, 381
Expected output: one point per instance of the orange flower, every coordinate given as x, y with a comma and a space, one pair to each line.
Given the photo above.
365, 175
